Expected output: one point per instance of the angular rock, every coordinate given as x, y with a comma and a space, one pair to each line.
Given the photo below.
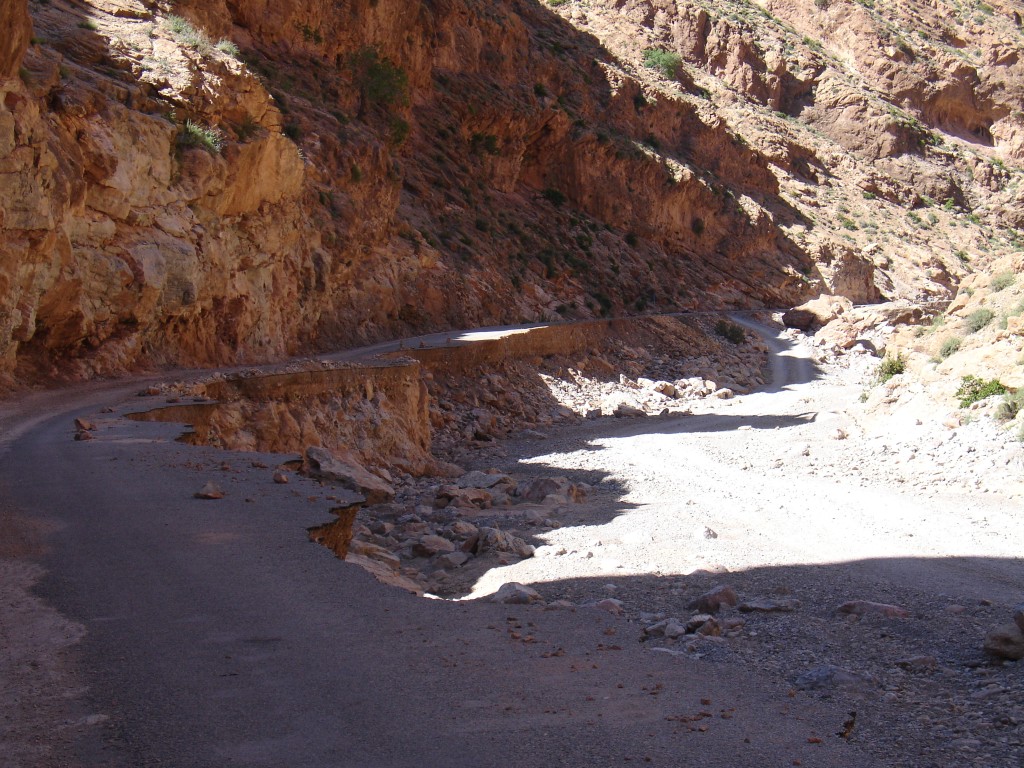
84, 424
210, 491
696, 622
608, 605
493, 539
624, 410
713, 600
1018, 616
452, 560
540, 489
831, 677
348, 473
83, 434
1005, 642
462, 529
670, 628
710, 628
375, 552
465, 498
816, 313
867, 608
918, 664
430, 545
477, 479
769, 606
514, 593
280, 478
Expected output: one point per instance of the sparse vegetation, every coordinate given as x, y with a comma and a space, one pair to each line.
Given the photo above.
972, 389
891, 365
380, 82
203, 137
229, 48
950, 346
1011, 405
1002, 281
664, 62
978, 319
186, 33
730, 332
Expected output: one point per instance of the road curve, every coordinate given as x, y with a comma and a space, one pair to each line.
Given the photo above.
215, 634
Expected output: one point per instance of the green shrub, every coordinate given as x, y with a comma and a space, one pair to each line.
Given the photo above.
891, 366
949, 347
978, 319
972, 389
378, 79
730, 332
204, 137
665, 62
1011, 405
1002, 281
553, 196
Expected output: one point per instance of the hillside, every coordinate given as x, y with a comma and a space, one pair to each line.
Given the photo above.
199, 183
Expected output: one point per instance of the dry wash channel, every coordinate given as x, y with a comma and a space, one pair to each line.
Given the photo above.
392, 434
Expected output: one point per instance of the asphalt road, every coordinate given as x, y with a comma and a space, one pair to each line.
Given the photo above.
217, 635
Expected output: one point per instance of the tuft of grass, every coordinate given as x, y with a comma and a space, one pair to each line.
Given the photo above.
973, 390
950, 346
1002, 281
978, 319
186, 33
203, 137
228, 47
891, 366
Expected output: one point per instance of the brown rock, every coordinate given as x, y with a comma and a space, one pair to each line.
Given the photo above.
816, 313
348, 473
280, 478
210, 491
430, 545
1006, 642
712, 601
515, 593
84, 424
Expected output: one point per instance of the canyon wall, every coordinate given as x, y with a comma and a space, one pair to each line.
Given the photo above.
200, 183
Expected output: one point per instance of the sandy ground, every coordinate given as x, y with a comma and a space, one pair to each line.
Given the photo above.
806, 492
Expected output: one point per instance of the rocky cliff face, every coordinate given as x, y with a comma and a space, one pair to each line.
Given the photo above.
211, 182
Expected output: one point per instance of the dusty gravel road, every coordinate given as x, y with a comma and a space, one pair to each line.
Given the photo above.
166, 630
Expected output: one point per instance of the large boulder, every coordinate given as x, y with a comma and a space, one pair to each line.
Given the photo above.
1006, 642
349, 473
816, 313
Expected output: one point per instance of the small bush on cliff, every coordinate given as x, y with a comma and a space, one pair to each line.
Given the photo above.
1002, 281
553, 196
380, 82
949, 347
203, 137
972, 389
978, 319
1012, 404
730, 332
665, 62
891, 366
